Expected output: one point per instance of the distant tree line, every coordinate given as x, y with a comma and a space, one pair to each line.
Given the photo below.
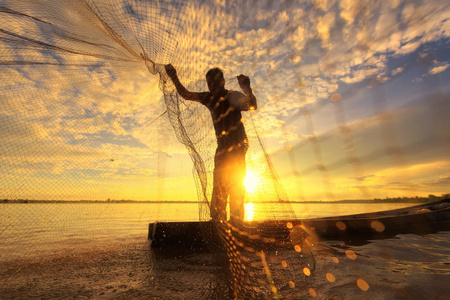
87, 201
415, 199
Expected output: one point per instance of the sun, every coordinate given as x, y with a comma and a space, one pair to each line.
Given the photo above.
249, 209
251, 182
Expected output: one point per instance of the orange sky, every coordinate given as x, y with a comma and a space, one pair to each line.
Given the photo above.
357, 93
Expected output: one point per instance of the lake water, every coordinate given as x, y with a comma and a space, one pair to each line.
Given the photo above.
34, 229
100, 250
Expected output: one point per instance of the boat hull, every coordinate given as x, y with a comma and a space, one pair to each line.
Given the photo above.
420, 219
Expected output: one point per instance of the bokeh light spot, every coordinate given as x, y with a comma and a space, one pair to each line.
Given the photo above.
350, 254
312, 292
377, 226
284, 264
341, 225
291, 284
336, 260
289, 225
336, 97
362, 284
297, 248
330, 277
306, 271
288, 148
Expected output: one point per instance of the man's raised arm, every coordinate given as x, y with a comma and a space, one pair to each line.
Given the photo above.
172, 73
250, 99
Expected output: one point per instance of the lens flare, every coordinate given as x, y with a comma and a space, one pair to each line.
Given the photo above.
362, 284
312, 292
341, 225
377, 226
350, 254
335, 97
330, 277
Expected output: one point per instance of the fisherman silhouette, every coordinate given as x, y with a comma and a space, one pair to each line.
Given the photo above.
225, 107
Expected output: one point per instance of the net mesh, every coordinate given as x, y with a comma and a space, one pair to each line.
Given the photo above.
89, 113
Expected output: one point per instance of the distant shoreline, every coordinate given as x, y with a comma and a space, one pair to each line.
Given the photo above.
360, 201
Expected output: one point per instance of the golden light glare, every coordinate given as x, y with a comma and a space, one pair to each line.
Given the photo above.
306, 271
350, 254
341, 225
330, 277
335, 97
362, 284
251, 182
249, 209
377, 226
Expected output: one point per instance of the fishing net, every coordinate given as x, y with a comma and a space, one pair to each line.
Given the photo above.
88, 113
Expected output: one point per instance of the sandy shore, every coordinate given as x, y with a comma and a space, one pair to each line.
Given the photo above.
404, 267
131, 271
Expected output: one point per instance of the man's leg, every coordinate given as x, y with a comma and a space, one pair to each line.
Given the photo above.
237, 191
218, 204
218, 209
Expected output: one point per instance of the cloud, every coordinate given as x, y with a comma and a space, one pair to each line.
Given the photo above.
397, 71
443, 181
323, 27
439, 69
101, 103
363, 178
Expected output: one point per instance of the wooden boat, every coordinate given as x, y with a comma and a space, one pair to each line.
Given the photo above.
419, 219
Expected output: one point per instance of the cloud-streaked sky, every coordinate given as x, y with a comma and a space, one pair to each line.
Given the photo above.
353, 95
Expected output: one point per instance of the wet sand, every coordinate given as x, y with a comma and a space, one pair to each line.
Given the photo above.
405, 267
124, 271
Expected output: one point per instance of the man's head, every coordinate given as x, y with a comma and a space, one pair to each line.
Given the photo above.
215, 80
